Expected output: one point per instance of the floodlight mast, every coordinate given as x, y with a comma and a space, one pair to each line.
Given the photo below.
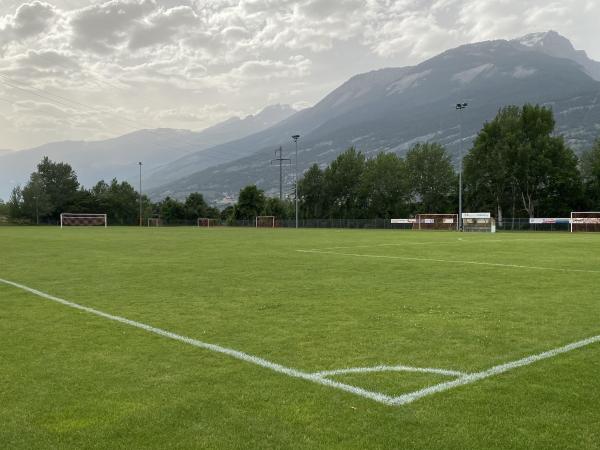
295, 138
460, 107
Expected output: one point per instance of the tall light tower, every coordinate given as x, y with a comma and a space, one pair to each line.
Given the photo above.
140, 164
460, 107
295, 138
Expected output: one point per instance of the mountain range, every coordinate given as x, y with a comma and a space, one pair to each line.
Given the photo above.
118, 157
390, 110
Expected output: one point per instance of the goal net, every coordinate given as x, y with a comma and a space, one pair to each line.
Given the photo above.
585, 221
436, 222
81, 219
206, 222
482, 222
154, 222
265, 222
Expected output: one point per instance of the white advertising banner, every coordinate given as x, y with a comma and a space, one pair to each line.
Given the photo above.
404, 221
479, 215
546, 220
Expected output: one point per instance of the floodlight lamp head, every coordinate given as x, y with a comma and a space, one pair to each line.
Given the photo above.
296, 137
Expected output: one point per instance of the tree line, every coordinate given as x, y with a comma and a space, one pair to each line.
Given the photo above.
53, 188
516, 167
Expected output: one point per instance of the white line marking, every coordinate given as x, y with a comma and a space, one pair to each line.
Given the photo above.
379, 397
450, 261
330, 373
316, 378
459, 241
496, 370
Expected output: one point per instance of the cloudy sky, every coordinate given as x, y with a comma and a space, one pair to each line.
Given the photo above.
81, 69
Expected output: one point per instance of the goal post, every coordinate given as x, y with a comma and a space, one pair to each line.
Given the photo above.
83, 219
585, 221
154, 222
436, 222
206, 222
478, 222
265, 221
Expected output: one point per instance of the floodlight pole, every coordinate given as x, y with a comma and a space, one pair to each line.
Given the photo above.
295, 138
140, 164
460, 107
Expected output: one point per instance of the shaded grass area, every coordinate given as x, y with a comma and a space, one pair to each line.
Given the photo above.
73, 380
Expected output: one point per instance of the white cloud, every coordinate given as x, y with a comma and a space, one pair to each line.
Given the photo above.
160, 61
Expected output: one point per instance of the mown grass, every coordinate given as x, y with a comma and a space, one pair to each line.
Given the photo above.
72, 380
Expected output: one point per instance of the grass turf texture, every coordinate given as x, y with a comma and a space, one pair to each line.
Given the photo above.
70, 379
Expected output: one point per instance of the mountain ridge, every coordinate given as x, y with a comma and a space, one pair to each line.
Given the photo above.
117, 157
390, 109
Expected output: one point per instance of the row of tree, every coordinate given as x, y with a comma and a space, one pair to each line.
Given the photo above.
353, 186
53, 188
517, 166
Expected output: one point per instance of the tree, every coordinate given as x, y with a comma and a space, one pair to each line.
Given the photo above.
15, 203
312, 193
281, 209
342, 185
195, 206
432, 178
251, 203
590, 171
58, 184
171, 210
119, 200
35, 202
487, 174
384, 187
516, 161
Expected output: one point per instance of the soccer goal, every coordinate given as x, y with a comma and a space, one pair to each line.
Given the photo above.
585, 221
81, 219
154, 222
206, 222
478, 222
436, 222
265, 222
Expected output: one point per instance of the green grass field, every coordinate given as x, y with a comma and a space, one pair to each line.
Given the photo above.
351, 299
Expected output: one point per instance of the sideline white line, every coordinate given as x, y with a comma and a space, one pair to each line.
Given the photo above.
459, 241
379, 397
316, 378
330, 373
450, 261
496, 370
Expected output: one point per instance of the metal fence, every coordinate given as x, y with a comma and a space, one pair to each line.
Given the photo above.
507, 224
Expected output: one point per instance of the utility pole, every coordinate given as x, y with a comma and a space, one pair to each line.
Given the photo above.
295, 138
280, 160
460, 107
141, 220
